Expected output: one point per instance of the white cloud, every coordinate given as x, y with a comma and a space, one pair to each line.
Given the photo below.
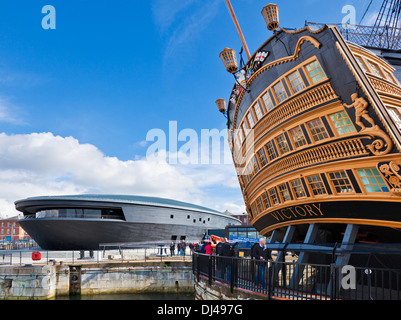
9, 112
40, 164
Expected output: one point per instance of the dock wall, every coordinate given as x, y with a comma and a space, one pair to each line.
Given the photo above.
48, 281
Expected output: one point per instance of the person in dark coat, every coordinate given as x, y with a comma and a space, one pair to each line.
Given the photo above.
226, 252
172, 248
261, 253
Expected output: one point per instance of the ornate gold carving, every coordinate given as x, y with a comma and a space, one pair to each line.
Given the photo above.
385, 87
361, 105
392, 173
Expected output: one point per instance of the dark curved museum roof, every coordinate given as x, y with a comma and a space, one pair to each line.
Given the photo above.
128, 199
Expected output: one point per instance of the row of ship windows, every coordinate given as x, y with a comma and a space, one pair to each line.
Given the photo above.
277, 93
369, 66
296, 138
317, 185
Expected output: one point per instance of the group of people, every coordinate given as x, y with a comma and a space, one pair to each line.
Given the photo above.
181, 248
259, 253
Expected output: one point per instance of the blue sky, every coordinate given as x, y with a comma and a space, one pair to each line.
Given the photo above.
110, 72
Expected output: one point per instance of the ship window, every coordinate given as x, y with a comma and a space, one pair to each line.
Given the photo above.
298, 137
341, 182
318, 130
258, 111
317, 185
194, 220
259, 204
250, 118
361, 63
376, 70
267, 100
389, 76
273, 196
240, 138
282, 144
249, 170
372, 180
395, 116
280, 92
172, 216
296, 81
271, 152
315, 72
255, 165
285, 194
342, 123
265, 199
188, 217
254, 210
262, 157
298, 188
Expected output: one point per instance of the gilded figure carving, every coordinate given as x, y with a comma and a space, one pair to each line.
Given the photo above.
380, 146
360, 105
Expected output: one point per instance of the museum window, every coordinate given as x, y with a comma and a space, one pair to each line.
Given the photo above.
316, 184
298, 188
341, 182
298, 137
258, 111
296, 81
372, 180
280, 92
273, 196
262, 157
282, 144
315, 72
267, 100
284, 192
317, 130
271, 152
342, 123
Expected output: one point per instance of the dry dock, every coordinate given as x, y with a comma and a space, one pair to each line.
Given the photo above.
46, 281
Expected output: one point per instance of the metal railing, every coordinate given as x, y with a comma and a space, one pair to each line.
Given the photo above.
299, 281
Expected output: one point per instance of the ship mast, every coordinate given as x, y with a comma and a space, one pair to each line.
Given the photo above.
241, 36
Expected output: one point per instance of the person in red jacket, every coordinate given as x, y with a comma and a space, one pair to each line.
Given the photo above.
209, 248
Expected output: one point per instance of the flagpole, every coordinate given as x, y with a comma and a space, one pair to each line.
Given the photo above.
241, 36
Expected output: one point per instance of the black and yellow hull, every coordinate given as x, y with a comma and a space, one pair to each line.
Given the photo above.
316, 137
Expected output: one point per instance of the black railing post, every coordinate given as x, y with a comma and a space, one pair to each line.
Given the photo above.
333, 281
232, 278
210, 269
270, 276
